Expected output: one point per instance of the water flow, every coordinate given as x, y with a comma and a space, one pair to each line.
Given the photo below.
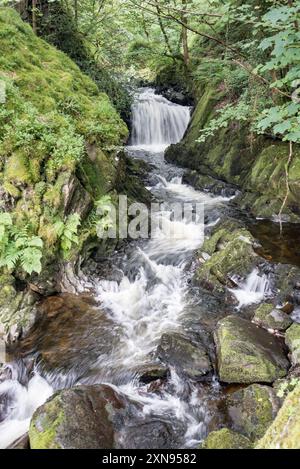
255, 289
149, 301
156, 122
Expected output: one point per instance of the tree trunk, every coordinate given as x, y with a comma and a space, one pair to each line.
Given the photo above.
34, 16
184, 19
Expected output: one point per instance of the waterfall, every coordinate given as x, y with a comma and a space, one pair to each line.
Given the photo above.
157, 122
254, 290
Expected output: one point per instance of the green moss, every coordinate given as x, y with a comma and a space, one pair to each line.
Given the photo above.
16, 169
252, 410
284, 433
226, 439
43, 428
231, 252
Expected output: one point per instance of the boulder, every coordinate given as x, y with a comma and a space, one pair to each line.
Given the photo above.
188, 357
226, 439
252, 410
247, 353
231, 254
284, 433
271, 318
292, 340
84, 417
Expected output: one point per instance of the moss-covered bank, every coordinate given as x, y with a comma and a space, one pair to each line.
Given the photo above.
256, 164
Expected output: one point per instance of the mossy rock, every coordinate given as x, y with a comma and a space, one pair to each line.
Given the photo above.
78, 418
226, 439
267, 316
284, 433
231, 253
247, 353
292, 340
252, 410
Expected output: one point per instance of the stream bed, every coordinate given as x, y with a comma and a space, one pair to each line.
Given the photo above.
143, 328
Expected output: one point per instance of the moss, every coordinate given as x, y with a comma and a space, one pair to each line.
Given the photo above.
266, 315
43, 428
226, 439
16, 169
247, 353
284, 433
252, 410
231, 251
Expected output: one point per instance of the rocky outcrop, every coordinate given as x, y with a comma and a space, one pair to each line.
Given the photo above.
284, 433
226, 439
248, 354
252, 410
255, 164
84, 417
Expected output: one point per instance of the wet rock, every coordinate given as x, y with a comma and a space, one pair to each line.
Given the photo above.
271, 318
20, 443
284, 433
84, 417
151, 372
252, 410
152, 434
188, 357
206, 183
292, 340
231, 254
71, 334
247, 353
226, 439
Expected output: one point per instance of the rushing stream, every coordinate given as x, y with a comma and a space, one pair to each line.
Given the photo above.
147, 296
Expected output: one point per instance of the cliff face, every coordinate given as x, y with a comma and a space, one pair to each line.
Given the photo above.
255, 164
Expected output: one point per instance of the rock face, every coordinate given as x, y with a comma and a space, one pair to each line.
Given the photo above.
187, 357
257, 167
84, 417
271, 318
247, 353
292, 340
226, 439
252, 410
284, 433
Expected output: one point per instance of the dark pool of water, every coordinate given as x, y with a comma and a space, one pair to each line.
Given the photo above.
279, 247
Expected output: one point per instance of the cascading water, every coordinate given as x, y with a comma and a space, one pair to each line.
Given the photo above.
157, 122
255, 289
150, 299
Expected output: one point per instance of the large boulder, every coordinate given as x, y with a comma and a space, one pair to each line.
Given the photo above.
271, 318
188, 357
226, 439
252, 410
284, 433
228, 253
248, 354
292, 340
84, 417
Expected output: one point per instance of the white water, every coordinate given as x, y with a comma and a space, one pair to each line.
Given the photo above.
146, 304
156, 122
23, 400
254, 290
